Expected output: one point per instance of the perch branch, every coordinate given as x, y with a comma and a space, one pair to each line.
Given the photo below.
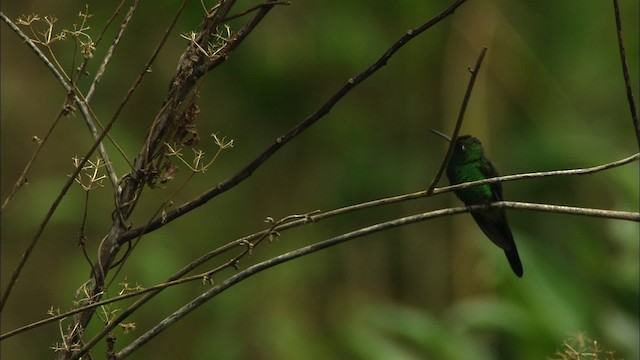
173, 280
136, 232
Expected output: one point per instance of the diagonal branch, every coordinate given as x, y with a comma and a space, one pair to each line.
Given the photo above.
111, 50
84, 109
625, 72
248, 170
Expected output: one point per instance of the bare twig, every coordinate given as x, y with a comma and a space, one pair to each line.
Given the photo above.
36, 50
445, 189
232, 17
112, 48
83, 104
22, 179
625, 72
248, 170
84, 109
331, 102
222, 145
135, 181
263, 9
456, 130
100, 73
83, 67
109, 21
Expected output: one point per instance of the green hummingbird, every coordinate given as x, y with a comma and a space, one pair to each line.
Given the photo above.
469, 163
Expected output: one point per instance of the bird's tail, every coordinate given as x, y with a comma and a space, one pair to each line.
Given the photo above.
514, 261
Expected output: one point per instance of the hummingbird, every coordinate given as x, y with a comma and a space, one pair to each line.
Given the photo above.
469, 163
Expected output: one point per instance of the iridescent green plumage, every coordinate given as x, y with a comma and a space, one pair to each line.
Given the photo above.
469, 163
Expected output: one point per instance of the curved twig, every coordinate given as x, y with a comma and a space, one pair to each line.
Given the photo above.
254, 269
112, 48
625, 72
456, 130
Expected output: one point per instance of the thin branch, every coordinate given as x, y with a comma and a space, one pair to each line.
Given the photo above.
248, 170
112, 48
83, 67
176, 279
532, 175
81, 164
96, 304
45, 221
232, 17
36, 50
84, 109
136, 232
456, 130
263, 9
625, 72
252, 270
109, 21
561, 209
85, 101
192, 66
22, 179
98, 77
418, 195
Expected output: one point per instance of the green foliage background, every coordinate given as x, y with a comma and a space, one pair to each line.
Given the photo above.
550, 96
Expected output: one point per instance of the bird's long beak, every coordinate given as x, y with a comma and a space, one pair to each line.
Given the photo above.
446, 137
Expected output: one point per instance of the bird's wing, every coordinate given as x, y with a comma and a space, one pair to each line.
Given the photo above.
488, 170
494, 223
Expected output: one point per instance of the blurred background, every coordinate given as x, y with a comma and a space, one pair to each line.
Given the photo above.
550, 96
